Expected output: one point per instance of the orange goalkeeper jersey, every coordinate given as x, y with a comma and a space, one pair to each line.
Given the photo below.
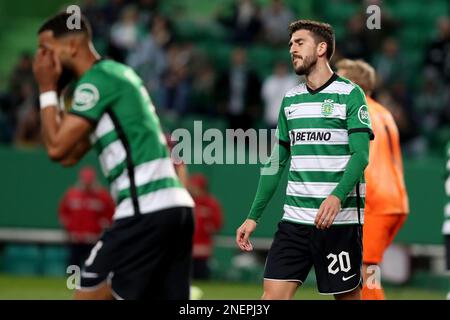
385, 186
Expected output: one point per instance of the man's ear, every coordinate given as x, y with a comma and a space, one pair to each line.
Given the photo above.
74, 44
322, 49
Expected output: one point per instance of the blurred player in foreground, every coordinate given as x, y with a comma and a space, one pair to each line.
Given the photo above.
386, 197
147, 252
324, 130
85, 211
446, 225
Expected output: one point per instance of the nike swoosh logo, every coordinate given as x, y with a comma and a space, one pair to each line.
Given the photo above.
347, 278
290, 112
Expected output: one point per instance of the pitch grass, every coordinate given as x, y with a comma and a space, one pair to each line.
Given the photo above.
35, 288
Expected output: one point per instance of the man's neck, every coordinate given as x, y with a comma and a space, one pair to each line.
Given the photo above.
87, 60
319, 76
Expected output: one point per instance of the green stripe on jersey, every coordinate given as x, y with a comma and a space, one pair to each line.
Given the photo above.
314, 203
150, 187
320, 150
316, 123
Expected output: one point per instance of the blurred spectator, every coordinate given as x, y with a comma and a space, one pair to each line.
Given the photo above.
355, 44
124, 33
147, 11
21, 74
407, 127
389, 64
202, 98
243, 22
430, 103
148, 58
273, 90
208, 221
95, 14
28, 132
275, 19
238, 92
85, 211
112, 10
176, 83
388, 25
437, 55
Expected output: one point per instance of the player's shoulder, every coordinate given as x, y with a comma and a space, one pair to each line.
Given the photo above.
345, 86
103, 70
297, 90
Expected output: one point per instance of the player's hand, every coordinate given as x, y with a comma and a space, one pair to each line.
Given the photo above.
47, 69
243, 234
328, 210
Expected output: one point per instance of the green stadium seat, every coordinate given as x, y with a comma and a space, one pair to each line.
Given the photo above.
22, 259
54, 260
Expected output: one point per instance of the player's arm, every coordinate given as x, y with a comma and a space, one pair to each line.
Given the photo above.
76, 153
359, 149
64, 141
59, 135
359, 135
268, 182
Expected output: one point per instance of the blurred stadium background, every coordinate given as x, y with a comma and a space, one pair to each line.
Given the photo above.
182, 49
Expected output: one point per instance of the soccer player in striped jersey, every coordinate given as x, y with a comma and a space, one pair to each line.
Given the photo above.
323, 134
147, 251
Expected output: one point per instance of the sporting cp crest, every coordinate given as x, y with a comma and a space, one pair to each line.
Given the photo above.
327, 107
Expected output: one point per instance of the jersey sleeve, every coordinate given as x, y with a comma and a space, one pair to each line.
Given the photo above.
282, 132
358, 118
92, 96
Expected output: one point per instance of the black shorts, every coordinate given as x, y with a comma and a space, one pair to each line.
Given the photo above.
336, 254
144, 257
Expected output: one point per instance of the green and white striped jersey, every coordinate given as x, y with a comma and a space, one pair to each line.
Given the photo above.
446, 225
316, 124
127, 136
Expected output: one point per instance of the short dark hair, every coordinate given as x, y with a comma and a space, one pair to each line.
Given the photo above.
58, 24
322, 32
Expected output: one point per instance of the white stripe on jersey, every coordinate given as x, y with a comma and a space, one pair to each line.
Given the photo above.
307, 215
319, 136
111, 156
153, 201
314, 110
339, 87
319, 163
446, 228
318, 189
104, 126
145, 173
300, 89
447, 210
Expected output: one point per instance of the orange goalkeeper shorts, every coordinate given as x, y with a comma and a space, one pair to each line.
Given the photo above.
378, 233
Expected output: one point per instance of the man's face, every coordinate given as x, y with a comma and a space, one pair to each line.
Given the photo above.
303, 50
61, 47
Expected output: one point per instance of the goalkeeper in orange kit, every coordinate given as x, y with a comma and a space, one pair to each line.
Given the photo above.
386, 198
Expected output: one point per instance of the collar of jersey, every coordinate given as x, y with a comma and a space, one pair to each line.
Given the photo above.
326, 84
